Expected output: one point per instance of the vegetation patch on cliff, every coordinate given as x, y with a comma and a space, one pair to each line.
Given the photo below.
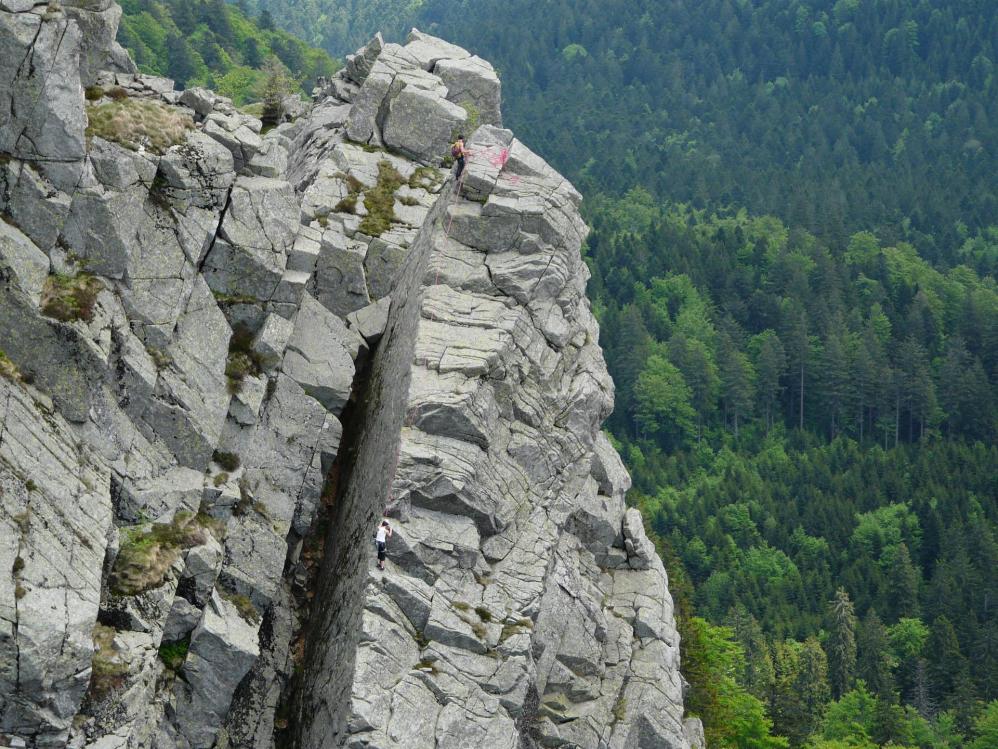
173, 654
243, 362
148, 552
380, 201
107, 671
8, 369
139, 123
69, 298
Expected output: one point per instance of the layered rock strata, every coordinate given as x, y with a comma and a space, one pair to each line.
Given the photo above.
225, 353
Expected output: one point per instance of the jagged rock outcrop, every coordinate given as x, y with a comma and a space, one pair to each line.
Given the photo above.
225, 353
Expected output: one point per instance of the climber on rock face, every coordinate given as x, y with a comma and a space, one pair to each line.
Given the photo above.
381, 537
459, 152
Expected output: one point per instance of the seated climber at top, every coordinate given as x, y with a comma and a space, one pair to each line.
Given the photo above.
381, 539
459, 152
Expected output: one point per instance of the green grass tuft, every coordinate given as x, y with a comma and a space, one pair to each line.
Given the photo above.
173, 653
426, 177
243, 360
243, 605
138, 123
228, 461
484, 614
380, 201
107, 672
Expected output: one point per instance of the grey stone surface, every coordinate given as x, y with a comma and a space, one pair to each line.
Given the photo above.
339, 282
41, 84
28, 264
201, 170
460, 351
249, 255
33, 203
55, 515
272, 339
240, 133
360, 63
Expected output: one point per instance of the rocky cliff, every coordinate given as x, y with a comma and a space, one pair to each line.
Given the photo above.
226, 353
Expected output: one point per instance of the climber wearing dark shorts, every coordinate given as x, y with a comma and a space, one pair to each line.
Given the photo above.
381, 537
458, 152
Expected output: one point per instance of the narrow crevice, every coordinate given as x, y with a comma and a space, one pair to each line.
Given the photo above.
319, 702
303, 571
218, 230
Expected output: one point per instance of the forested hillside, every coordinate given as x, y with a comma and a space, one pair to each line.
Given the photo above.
209, 43
809, 423
795, 243
340, 26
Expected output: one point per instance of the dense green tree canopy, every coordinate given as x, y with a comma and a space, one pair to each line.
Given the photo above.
209, 43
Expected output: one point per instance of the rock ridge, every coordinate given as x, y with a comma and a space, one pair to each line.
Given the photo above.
226, 352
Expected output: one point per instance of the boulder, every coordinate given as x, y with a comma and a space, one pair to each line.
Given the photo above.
320, 355
199, 171
422, 124
43, 117
222, 650
473, 82
371, 321
429, 50
48, 604
360, 63
339, 282
249, 256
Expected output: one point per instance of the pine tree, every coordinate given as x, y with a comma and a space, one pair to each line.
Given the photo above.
874, 662
737, 379
276, 86
181, 64
945, 659
841, 644
799, 352
902, 585
921, 694
835, 378
771, 363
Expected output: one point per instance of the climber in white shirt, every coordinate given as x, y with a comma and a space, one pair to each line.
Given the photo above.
381, 538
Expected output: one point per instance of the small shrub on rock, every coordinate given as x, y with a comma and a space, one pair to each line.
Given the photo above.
173, 653
243, 605
243, 360
426, 177
228, 461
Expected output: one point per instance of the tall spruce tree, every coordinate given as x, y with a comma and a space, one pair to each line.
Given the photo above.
841, 643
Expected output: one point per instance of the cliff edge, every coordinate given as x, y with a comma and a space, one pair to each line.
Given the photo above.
226, 352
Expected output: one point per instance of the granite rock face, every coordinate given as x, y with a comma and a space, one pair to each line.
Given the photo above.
222, 364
